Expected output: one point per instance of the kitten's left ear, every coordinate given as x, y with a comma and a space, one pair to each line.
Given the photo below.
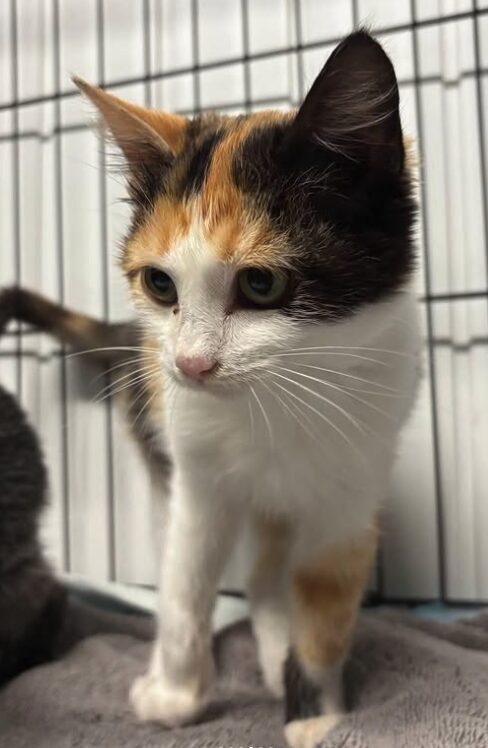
352, 107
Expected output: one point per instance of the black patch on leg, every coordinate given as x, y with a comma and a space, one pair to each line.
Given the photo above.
302, 695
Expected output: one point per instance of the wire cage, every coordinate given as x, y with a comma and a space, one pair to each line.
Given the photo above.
60, 223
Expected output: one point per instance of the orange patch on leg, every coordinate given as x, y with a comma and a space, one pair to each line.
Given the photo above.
326, 597
273, 539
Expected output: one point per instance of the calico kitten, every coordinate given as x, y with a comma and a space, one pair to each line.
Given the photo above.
269, 257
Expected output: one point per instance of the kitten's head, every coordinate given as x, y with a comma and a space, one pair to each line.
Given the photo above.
250, 231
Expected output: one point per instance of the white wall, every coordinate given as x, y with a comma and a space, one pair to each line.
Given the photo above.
60, 222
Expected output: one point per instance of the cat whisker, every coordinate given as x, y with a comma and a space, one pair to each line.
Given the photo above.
349, 388
264, 414
368, 428
130, 374
127, 385
140, 395
308, 352
346, 392
288, 408
174, 392
389, 351
390, 390
127, 362
344, 412
251, 419
322, 416
144, 406
110, 348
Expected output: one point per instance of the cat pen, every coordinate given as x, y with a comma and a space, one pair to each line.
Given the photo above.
61, 220
253, 237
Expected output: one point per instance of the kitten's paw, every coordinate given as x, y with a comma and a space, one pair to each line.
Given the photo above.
308, 733
154, 700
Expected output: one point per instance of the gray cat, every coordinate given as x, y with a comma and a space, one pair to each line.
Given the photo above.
32, 601
39, 619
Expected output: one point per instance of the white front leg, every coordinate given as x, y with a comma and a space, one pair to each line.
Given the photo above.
201, 530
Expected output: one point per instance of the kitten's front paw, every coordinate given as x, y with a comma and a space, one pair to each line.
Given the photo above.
308, 733
154, 700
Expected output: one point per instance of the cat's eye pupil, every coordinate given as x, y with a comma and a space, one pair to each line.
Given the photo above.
260, 281
159, 280
159, 285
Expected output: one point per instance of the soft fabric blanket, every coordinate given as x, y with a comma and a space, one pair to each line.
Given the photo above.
411, 683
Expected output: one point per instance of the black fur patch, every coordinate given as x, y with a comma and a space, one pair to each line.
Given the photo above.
145, 184
347, 228
302, 696
200, 162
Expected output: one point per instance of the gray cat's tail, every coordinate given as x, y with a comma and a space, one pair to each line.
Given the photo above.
78, 331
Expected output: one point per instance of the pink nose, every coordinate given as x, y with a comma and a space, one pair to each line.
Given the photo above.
196, 367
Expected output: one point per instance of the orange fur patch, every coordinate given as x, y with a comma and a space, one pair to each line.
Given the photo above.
238, 235
273, 541
326, 598
168, 223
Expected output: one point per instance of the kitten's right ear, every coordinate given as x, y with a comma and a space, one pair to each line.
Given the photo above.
148, 139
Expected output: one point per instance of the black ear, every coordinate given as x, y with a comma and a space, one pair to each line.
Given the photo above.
352, 107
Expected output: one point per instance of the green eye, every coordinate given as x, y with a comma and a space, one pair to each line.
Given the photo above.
262, 288
159, 285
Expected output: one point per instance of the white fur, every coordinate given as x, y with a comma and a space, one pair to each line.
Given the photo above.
310, 733
268, 596
237, 448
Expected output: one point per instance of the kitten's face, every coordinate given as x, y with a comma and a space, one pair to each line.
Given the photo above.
214, 295
211, 271
248, 231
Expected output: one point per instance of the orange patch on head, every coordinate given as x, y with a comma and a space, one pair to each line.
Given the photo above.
239, 233
168, 223
247, 240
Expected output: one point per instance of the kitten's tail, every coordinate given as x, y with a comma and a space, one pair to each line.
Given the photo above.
78, 331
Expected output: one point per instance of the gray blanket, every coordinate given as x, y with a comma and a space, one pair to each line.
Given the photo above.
410, 683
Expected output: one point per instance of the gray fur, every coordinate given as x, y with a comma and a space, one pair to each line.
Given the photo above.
31, 600
39, 620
